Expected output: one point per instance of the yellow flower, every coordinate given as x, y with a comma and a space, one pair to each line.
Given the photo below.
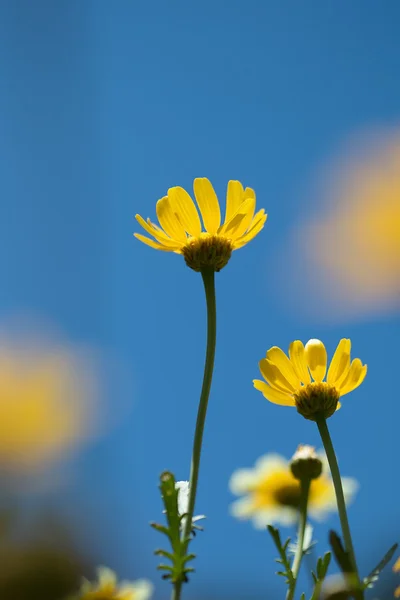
44, 405
107, 588
396, 569
272, 493
298, 380
353, 250
181, 229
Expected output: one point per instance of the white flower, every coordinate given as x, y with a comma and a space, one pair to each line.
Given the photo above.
183, 502
107, 588
308, 542
271, 494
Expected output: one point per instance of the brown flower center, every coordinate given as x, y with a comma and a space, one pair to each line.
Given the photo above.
211, 251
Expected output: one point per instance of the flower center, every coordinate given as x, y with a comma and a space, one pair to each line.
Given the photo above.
317, 399
288, 495
212, 251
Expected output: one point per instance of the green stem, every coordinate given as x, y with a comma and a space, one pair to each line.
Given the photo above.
341, 504
305, 489
209, 287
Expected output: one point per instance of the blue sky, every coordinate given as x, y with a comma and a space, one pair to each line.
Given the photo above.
106, 105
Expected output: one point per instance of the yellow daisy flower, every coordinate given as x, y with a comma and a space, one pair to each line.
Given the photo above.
46, 404
107, 588
299, 380
181, 229
396, 569
353, 250
272, 493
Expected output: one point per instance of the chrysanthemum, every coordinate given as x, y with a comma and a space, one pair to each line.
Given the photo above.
272, 494
44, 404
182, 232
396, 569
107, 588
299, 380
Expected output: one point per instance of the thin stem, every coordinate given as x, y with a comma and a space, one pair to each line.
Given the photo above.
176, 590
337, 482
305, 489
209, 288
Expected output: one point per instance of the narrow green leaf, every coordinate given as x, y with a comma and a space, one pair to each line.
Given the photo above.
374, 575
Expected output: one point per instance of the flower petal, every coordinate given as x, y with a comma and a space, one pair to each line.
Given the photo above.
273, 395
152, 243
256, 226
280, 360
242, 481
234, 198
185, 208
317, 359
247, 208
229, 229
298, 359
169, 220
274, 377
157, 233
340, 362
208, 204
355, 377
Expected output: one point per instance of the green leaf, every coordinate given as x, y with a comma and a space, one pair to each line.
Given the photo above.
374, 575
342, 557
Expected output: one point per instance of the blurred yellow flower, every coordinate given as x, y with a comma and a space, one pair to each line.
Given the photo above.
298, 380
45, 398
107, 588
396, 569
181, 229
272, 494
354, 249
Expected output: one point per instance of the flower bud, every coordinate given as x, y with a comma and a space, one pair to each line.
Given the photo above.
305, 463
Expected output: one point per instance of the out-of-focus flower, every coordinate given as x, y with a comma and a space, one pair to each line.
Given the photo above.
272, 494
299, 380
107, 588
396, 569
183, 502
181, 229
45, 404
352, 252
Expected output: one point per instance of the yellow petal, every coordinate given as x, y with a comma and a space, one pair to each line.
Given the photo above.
316, 358
397, 592
298, 359
256, 226
249, 193
157, 233
208, 204
274, 376
169, 221
247, 208
152, 243
185, 208
355, 377
234, 198
281, 361
340, 362
274, 396
230, 228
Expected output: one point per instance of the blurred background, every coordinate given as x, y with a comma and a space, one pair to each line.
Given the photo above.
104, 106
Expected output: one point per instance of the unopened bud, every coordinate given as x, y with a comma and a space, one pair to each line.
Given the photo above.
305, 463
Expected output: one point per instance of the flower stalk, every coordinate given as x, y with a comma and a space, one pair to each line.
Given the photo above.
305, 491
341, 504
208, 276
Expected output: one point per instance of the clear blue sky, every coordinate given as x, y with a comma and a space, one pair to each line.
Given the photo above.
104, 105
